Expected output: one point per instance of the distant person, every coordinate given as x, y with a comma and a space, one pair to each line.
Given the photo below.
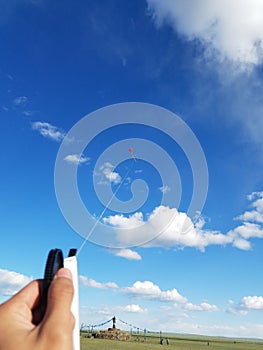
23, 327
167, 341
161, 341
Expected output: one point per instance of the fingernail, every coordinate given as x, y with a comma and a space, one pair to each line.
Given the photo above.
63, 272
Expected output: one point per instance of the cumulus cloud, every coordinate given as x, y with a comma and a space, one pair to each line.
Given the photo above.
132, 221
108, 174
133, 308
231, 30
252, 223
127, 254
168, 228
48, 130
76, 159
252, 302
89, 282
247, 304
149, 290
165, 227
11, 282
256, 214
241, 234
204, 306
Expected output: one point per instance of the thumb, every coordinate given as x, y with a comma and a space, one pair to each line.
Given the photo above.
59, 300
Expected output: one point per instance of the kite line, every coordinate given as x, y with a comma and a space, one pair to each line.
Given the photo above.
107, 205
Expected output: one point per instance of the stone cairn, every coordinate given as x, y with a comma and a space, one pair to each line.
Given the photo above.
112, 333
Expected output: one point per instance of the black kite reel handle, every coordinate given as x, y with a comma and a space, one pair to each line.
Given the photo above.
54, 262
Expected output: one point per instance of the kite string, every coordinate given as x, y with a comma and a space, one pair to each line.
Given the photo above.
104, 210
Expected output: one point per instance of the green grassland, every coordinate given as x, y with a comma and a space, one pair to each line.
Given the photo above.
175, 342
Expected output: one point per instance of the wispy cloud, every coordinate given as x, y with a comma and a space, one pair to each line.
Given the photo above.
165, 189
29, 113
20, 101
204, 306
11, 282
227, 30
127, 254
89, 282
48, 130
76, 159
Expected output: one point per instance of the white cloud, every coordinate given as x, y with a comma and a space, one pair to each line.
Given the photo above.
251, 227
247, 230
101, 313
181, 231
11, 282
166, 227
134, 220
247, 304
48, 130
109, 174
127, 254
204, 306
236, 310
89, 282
252, 302
149, 290
241, 244
165, 189
145, 289
255, 215
20, 101
231, 30
76, 159
134, 308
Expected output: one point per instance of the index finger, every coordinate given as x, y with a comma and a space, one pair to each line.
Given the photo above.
29, 295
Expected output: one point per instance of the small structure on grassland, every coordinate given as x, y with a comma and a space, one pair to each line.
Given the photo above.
112, 333
116, 334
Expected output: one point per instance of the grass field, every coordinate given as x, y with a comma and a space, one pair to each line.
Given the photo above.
178, 343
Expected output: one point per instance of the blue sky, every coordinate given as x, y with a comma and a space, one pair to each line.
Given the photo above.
63, 63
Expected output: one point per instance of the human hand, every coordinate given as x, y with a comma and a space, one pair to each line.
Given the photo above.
20, 327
